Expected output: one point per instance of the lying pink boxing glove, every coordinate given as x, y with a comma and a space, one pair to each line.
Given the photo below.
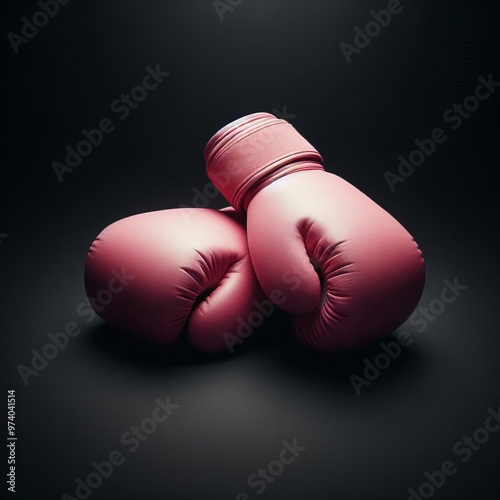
346, 268
158, 273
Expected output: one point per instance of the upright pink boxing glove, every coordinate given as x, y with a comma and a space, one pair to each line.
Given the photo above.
347, 269
159, 273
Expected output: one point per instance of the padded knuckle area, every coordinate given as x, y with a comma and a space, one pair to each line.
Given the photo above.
330, 261
204, 274
363, 299
338, 277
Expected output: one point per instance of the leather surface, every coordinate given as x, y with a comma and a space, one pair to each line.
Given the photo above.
190, 269
371, 268
348, 270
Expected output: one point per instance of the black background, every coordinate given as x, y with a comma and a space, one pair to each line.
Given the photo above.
235, 411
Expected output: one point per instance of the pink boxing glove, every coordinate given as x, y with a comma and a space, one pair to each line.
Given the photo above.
347, 269
159, 273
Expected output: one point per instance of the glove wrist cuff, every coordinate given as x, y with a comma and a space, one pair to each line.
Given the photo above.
253, 151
